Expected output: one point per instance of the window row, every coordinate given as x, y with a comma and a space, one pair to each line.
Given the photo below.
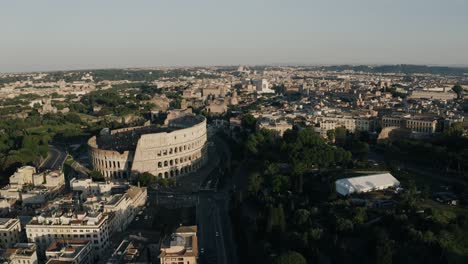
174, 150
176, 161
181, 171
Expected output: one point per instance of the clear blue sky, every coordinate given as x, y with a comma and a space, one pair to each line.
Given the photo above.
78, 34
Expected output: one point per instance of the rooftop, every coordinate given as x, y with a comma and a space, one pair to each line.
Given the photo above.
7, 222
64, 250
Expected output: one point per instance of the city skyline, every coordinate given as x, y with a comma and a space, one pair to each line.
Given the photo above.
55, 35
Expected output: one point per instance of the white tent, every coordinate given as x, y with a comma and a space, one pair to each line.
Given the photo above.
367, 183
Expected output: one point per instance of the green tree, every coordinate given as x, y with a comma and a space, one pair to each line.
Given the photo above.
73, 118
458, 90
315, 233
290, 257
384, 247
279, 183
340, 135
96, 175
343, 225
162, 181
251, 145
455, 130
360, 215
359, 149
276, 218
255, 183
249, 122
146, 179
301, 217
331, 135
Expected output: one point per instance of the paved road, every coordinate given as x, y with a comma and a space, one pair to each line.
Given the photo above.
55, 159
215, 230
215, 236
212, 208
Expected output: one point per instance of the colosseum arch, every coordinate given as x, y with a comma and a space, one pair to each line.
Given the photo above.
175, 147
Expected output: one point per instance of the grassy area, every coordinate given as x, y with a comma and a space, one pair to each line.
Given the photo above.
422, 180
54, 129
457, 240
87, 118
459, 248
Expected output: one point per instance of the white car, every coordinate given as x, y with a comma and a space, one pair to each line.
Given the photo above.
217, 234
138, 218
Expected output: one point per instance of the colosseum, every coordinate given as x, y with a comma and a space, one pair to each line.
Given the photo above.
175, 149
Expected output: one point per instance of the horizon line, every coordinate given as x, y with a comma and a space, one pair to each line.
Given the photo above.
461, 66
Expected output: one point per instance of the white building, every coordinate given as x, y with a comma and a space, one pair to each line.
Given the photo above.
367, 183
55, 224
433, 95
324, 127
122, 206
21, 253
88, 187
24, 175
10, 232
180, 247
33, 188
341, 121
263, 86
6, 205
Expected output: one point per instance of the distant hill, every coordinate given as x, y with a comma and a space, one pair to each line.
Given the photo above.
400, 68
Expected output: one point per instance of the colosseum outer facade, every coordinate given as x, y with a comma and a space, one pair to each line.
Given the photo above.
175, 149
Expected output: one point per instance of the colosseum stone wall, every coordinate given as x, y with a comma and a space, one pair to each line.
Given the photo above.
175, 149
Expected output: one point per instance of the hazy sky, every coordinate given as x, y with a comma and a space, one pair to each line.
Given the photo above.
78, 34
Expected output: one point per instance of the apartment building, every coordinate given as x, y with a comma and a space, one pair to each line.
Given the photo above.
417, 124
10, 232
54, 225
324, 126
122, 205
33, 188
433, 95
391, 121
341, 121
27, 176
365, 124
421, 125
20, 253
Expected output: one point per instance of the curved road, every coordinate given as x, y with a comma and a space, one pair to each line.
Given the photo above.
55, 159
